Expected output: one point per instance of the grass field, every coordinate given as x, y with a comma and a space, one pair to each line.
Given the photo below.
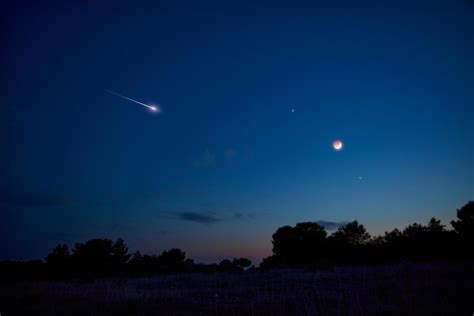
400, 289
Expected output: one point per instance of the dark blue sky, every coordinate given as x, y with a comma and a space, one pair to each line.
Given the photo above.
227, 162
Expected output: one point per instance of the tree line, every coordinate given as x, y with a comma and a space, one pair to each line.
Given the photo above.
103, 257
305, 245
309, 245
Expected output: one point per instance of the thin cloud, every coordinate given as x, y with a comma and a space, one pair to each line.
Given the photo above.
202, 218
242, 216
330, 225
238, 215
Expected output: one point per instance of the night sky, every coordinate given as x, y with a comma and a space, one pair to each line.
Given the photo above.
251, 98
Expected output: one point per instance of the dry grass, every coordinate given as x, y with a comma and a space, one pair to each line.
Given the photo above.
402, 289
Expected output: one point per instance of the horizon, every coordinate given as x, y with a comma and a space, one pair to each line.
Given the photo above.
208, 126
329, 227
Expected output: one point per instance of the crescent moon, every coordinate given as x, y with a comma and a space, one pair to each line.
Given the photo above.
337, 145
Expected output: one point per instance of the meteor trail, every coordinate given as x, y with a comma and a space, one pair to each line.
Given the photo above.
151, 107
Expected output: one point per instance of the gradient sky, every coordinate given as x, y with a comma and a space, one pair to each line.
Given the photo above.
227, 162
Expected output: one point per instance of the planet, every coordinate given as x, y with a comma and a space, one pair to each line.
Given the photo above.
337, 145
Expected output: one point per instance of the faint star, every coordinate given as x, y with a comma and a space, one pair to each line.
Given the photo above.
292, 110
360, 178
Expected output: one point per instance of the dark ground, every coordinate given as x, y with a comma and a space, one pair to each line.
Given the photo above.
398, 289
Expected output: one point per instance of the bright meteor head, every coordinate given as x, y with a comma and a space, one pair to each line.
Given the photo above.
155, 108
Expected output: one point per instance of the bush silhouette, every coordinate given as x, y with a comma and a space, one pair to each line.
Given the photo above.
270, 262
241, 263
227, 266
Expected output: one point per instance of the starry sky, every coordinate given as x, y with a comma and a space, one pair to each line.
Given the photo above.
251, 97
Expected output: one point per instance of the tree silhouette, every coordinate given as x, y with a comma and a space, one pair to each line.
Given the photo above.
173, 260
59, 261
310, 232
100, 256
393, 237
464, 226
434, 226
352, 234
120, 256
300, 244
283, 241
120, 251
414, 232
58, 256
173, 256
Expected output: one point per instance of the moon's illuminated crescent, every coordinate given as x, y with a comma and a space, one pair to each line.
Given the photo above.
337, 145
